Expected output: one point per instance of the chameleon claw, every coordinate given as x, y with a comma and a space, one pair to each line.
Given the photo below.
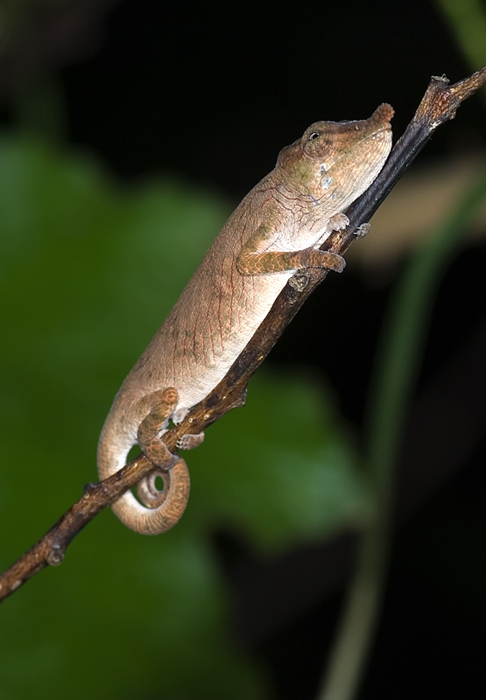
362, 230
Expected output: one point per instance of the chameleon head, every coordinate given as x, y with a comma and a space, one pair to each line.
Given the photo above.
338, 160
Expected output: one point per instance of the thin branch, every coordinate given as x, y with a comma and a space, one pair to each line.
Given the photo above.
438, 105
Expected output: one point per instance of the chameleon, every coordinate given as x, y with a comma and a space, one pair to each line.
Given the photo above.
274, 232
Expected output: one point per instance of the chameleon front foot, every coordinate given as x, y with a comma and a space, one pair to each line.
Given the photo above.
362, 230
276, 261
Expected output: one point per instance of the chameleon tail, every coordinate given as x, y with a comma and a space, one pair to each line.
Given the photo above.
161, 509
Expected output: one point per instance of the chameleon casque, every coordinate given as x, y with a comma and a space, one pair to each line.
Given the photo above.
275, 231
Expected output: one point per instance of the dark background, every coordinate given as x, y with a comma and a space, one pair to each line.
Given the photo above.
211, 92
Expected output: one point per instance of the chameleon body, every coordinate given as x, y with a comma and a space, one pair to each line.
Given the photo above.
275, 231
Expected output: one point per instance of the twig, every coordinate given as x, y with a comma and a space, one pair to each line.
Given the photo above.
438, 105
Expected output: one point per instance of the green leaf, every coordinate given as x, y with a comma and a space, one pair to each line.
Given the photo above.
282, 469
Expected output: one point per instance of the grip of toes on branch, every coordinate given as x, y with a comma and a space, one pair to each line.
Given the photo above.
362, 230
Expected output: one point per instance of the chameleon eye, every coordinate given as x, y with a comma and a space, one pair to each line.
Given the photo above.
315, 135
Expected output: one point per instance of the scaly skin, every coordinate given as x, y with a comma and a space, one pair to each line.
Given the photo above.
275, 231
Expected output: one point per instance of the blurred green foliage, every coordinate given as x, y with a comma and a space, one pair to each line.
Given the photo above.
467, 20
88, 270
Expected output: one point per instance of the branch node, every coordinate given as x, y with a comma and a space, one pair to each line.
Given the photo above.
56, 554
299, 281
